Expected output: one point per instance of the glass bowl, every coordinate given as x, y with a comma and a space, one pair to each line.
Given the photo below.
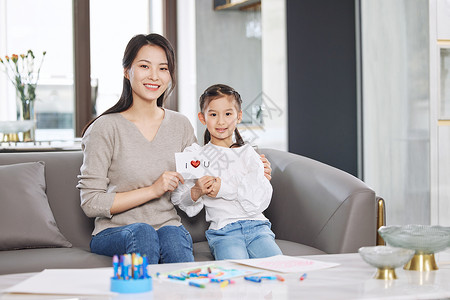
386, 257
16, 126
427, 239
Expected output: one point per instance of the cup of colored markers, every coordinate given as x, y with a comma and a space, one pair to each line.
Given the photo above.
130, 274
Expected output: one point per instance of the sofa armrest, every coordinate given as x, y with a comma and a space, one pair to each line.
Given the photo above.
320, 206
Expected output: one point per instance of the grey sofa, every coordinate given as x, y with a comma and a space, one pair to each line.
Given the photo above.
315, 209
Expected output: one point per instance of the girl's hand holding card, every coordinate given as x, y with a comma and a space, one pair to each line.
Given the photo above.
215, 188
202, 186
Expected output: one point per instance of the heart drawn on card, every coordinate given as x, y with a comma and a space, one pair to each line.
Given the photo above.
195, 163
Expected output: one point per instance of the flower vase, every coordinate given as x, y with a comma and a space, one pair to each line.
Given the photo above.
26, 113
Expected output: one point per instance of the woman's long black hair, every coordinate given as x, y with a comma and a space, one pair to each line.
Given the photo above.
131, 51
214, 92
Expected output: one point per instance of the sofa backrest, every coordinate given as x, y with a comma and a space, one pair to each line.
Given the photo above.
61, 171
318, 205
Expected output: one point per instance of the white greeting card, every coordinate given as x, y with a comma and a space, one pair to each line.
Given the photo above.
212, 161
192, 165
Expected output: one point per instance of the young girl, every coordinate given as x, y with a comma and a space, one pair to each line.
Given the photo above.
235, 200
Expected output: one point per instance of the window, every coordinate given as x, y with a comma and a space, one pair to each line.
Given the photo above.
47, 25
110, 33
41, 26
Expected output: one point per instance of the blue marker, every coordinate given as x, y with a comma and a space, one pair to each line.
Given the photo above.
116, 266
144, 267
269, 277
252, 278
126, 266
176, 277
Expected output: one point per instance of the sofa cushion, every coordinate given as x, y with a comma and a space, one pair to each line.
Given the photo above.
25, 211
36, 260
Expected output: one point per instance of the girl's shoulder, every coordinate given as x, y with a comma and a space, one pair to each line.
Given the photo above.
246, 148
192, 148
249, 153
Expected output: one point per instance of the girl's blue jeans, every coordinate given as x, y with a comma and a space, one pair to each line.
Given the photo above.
242, 240
169, 244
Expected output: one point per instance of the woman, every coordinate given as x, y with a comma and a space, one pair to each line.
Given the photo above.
128, 163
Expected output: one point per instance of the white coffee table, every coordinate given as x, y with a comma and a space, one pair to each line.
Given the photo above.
352, 279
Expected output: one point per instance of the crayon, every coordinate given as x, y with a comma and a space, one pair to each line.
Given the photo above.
279, 278
303, 276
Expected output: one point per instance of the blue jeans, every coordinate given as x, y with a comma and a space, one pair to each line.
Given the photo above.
243, 239
169, 244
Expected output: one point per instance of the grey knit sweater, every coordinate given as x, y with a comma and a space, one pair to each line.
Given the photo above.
118, 158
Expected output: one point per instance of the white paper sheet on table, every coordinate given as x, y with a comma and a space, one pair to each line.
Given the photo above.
67, 282
286, 264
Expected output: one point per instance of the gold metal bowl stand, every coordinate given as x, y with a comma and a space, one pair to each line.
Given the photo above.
385, 274
422, 262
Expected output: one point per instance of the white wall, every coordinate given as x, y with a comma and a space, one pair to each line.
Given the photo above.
396, 106
187, 61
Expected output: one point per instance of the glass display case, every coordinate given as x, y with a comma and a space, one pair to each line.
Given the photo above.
444, 80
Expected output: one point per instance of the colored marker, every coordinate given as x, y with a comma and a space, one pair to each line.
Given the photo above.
116, 266
279, 278
252, 278
224, 283
144, 267
195, 271
176, 277
136, 267
303, 276
199, 285
269, 277
126, 266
